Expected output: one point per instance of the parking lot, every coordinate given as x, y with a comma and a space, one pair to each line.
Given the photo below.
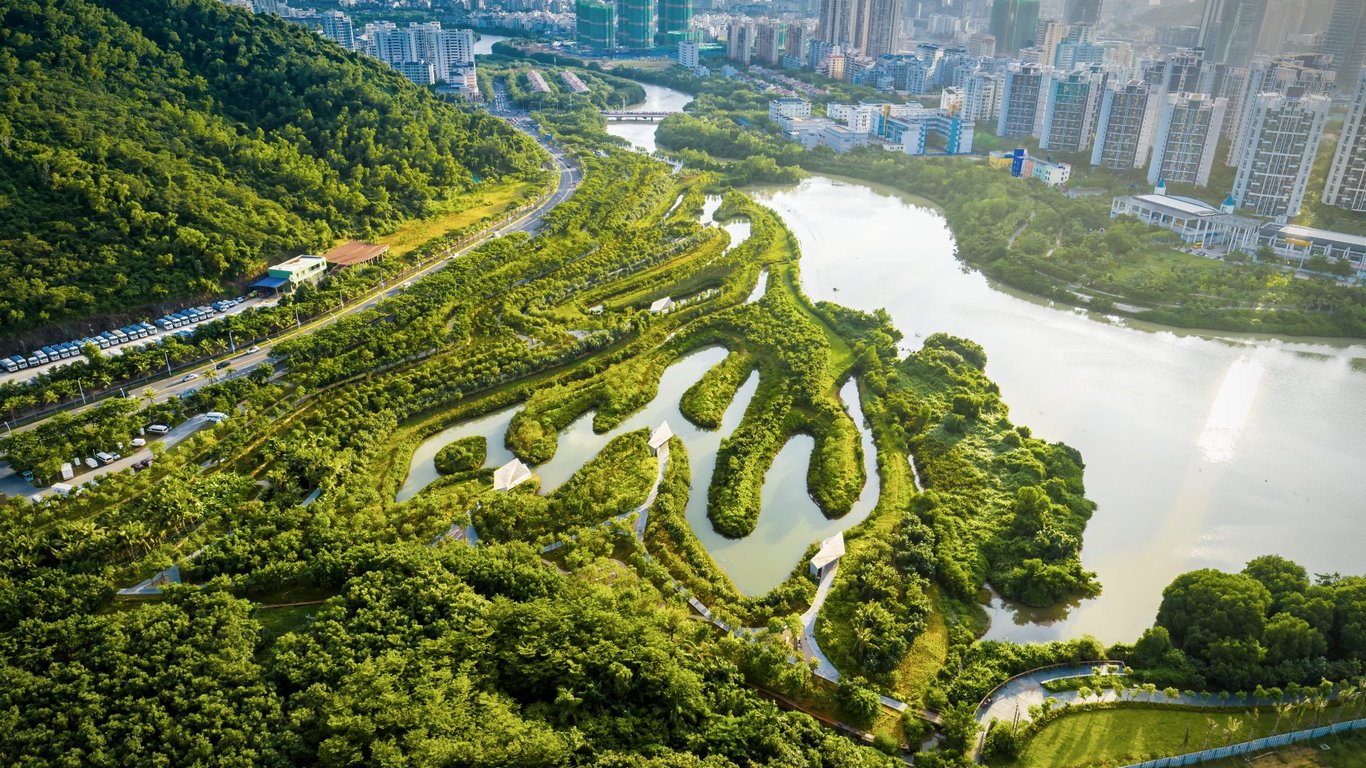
28, 373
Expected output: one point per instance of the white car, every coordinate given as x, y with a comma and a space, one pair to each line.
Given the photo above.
216, 416
189, 377
253, 350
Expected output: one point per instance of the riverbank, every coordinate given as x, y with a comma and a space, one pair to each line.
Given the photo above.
1037, 239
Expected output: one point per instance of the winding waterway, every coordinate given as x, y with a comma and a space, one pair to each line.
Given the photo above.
789, 521
1202, 450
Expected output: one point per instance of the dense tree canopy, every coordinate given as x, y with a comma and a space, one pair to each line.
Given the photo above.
152, 150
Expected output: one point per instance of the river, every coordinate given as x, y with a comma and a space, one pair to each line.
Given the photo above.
484, 45
1202, 450
657, 99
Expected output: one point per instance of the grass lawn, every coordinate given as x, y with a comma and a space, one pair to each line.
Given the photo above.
927, 654
1346, 751
1161, 259
486, 200
1112, 737
278, 621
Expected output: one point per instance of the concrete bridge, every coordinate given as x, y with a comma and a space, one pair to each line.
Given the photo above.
621, 116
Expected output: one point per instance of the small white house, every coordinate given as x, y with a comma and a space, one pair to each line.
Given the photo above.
661, 306
832, 549
510, 475
660, 437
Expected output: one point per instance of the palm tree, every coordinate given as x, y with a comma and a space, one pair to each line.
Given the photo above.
1347, 693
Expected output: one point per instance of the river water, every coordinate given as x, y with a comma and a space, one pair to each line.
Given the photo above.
657, 99
1202, 450
484, 45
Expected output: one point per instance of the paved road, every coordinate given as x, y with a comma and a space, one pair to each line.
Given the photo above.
11, 484
243, 362
18, 377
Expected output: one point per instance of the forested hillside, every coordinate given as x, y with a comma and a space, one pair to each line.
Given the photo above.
151, 149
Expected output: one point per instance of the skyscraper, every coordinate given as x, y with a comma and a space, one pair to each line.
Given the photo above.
689, 54
868, 26
884, 21
1071, 106
1014, 24
1185, 138
1229, 29
1346, 186
981, 96
1278, 151
636, 23
1308, 72
595, 24
336, 26
1345, 40
768, 42
1125, 126
675, 22
1048, 34
447, 50
1020, 100
797, 38
740, 41
1083, 11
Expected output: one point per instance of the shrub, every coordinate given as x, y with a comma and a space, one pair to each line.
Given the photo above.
464, 455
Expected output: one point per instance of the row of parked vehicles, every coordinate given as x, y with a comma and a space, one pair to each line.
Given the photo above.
54, 352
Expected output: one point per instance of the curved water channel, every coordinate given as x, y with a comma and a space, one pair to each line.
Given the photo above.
789, 522
1202, 449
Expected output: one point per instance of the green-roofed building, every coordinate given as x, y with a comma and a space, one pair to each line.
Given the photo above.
595, 24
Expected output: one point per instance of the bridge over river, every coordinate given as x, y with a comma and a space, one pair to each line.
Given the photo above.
624, 115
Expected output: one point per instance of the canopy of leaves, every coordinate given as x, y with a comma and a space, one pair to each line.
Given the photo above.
152, 150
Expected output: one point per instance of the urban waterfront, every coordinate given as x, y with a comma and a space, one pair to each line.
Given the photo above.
1202, 450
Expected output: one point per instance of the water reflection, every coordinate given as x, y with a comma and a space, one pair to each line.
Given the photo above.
1202, 450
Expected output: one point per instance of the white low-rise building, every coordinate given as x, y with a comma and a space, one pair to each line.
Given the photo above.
788, 107
1196, 222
